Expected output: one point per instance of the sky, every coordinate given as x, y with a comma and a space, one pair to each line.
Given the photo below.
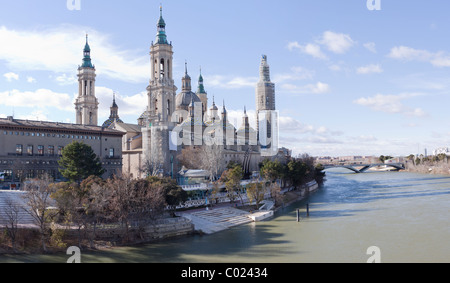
349, 80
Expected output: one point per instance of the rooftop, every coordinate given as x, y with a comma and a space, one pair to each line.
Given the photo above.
57, 126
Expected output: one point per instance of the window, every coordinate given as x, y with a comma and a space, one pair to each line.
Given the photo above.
40, 149
30, 150
60, 149
51, 150
19, 149
111, 152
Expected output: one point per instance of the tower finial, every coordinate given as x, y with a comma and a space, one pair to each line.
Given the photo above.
185, 67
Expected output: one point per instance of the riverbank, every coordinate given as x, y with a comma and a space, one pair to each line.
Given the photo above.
29, 239
440, 168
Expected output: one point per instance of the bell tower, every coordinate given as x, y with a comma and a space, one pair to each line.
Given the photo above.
86, 104
265, 92
161, 92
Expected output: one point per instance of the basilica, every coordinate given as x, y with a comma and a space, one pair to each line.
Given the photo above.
179, 120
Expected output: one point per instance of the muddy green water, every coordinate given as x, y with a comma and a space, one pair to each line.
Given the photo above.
405, 215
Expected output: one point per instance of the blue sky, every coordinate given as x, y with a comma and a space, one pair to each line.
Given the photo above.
349, 81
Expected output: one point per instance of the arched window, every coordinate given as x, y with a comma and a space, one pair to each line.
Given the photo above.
161, 69
168, 107
168, 69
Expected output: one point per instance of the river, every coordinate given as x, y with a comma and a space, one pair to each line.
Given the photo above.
405, 215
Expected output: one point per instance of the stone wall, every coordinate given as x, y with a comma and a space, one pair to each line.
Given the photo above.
163, 229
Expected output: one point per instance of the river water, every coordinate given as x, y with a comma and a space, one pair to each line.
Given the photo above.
405, 215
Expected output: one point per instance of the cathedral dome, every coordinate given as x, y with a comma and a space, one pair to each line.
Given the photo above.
214, 107
184, 99
110, 121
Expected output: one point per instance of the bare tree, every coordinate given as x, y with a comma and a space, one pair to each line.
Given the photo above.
275, 193
97, 209
148, 203
121, 203
256, 193
37, 197
189, 157
150, 168
212, 160
11, 216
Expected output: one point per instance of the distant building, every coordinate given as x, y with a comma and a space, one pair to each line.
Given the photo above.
441, 150
30, 149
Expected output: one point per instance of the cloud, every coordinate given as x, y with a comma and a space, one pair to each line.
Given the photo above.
338, 43
41, 98
297, 73
36, 115
317, 88
229, 82
133, 105
11, 76
65, 79
311, 49
370, 46
31, 80
289, 125
404, 53
369, 69
59, 49
392, 104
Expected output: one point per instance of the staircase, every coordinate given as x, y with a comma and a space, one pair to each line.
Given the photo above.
8, 197
212, 221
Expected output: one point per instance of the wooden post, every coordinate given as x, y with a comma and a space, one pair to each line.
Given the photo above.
298, 215
307, 209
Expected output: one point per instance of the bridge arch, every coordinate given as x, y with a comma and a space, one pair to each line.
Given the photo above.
365, 167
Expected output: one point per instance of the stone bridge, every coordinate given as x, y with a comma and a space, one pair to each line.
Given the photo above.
361, 168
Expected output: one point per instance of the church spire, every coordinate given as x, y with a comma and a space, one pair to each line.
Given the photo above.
87, 63
161, 37
201, 87
186, 81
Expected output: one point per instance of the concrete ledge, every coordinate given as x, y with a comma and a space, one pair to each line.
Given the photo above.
260, 215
